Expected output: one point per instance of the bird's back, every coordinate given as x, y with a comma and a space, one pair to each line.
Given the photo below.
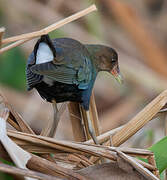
71, 56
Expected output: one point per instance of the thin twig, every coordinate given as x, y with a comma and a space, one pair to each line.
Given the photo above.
51, 27
15, 44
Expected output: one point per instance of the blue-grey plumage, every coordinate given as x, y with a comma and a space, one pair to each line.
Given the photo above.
65, 69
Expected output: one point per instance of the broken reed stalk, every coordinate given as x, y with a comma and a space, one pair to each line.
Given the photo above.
15, 118
136, 123
44, 166
51, 27
76, 122
146, 165
105, 136
151, 160
85, 122
93, 118
25, 172
94, 115
145, 172
28, 140
24, 159
140, 119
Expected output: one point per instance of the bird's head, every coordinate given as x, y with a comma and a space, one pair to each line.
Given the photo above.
105, 59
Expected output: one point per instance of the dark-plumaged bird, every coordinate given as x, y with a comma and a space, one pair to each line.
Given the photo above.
64, 69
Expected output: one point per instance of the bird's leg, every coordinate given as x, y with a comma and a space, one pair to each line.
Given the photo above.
56, 118
51, 127
90, 128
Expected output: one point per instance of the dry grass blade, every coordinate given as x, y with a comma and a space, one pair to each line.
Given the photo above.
75, 160
42, 165
18, 155
151, 160
140, 119
48, 145
64, 146
15, 119
146, 165
51, 27
24, 159
132, 151
24, 172
145, 172
19, 120
83, 160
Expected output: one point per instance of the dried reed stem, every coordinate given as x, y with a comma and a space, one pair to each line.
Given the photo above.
105, 136
42, 165
151, 161
29, 140
146, 165
15, 44
51, 27
25, 172
75, 118
85, 122
140, 119
94, 115
15, 118
145, 172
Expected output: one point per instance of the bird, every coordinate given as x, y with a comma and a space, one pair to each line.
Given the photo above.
64, 69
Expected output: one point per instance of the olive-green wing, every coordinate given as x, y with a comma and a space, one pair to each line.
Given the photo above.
80, 76
72, 64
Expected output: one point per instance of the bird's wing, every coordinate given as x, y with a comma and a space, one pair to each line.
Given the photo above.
64, 74
32, 78
72, 65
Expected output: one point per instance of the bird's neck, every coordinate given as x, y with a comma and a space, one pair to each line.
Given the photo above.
95, 52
